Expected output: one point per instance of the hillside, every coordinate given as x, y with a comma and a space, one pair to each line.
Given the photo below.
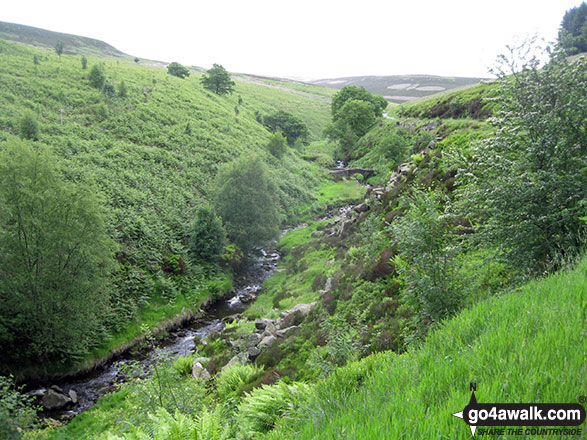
152, 154
43, 38
400, 88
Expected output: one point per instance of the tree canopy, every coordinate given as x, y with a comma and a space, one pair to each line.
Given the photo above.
178, 70
292, 127
357, 94
208, 235
217, 79
245, 199
55, 260
573, 32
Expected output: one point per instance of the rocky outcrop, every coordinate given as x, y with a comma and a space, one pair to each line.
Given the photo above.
53, 399
294, 315
199, 372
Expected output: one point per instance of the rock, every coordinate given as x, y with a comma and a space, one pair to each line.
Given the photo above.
253, 352
328, 285
57, 388
73, 396
286, 331
267, 341
199, 372
271, 329
260, 324
363, 207
294, 315
330, 262
241, 358
202, 360
38, 392
54, 400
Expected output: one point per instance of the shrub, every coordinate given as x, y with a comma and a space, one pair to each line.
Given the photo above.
183, 365
178, 70
208, 235
28, 127
277, 145
16, 410
96, 77
231, 381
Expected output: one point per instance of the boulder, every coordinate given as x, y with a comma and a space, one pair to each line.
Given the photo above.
202, 360
73, 396
253, 352
199, 372
57, 388
54, 400
267, 341
294, 315
284, 333
260, 324
38, 392
241, 358
363, 207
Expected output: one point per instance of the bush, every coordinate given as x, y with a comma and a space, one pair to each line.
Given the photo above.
231, 381
208, 235
183, 365
16, 410
178, 70
277, 145
292, 127
96, 77
28, 127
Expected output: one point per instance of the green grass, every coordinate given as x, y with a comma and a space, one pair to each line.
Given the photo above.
526, 346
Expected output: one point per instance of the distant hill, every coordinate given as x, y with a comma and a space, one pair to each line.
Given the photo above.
74, 44
400, 88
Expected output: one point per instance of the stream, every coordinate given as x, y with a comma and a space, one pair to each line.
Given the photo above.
93, 385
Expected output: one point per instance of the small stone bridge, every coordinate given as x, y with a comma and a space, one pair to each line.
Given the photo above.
347, 172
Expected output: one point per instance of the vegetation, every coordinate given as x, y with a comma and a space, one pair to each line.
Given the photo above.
17, 412
178, 70
277, 145
59, 47
217, 79
292, 127
56, 260
246, 202
208, 235
572, 35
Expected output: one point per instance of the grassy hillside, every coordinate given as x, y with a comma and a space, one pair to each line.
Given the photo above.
400, 88
74, 44
514, 347
152, 154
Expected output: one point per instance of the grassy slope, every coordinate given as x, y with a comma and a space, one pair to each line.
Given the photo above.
152, 154
526, 346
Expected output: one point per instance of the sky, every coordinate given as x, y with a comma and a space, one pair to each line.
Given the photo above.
306, 39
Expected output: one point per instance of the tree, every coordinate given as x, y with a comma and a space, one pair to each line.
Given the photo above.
245, 199
357, 94
59, 46
28, 127
217, 79
526, 187
292, 127
573, 31
96, 77
84, 63
208, 235
55, 260
277, 145
178, 70
122, 89
109, 90
353, 121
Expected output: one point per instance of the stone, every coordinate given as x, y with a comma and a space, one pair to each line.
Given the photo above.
199, 372
253, 352
271, 329
267, 341
328, 285
57, 388
38, 392
284, 333
202, 360
295, 314
54, 400
330, 262
260, 324
73, 396
363, 207
241, 358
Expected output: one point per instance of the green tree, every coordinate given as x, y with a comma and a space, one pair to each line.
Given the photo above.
96, 77
59, 46
122, 89
208, 235
109, 90
245, 199
217, 79
28, 127
277, 145
17, 412
357, 94
526, 187
84, 63
178, 70
572, 34
55, 260
292, 127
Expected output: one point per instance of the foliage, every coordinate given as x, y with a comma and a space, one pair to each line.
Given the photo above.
572, 34
96, 77
526, 187
277, 145
17, 412
426, 262
292, 127
231, 381
245, 200
178, 70
217, 79
122, 89
56, 259
59, 46
263, 407
208, 236
84, 62
109, 90
353, 93
183, 365
28, 127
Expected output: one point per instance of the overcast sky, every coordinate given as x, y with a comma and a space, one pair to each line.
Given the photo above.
305, 38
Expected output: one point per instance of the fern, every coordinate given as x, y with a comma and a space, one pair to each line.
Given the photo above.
231, 381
